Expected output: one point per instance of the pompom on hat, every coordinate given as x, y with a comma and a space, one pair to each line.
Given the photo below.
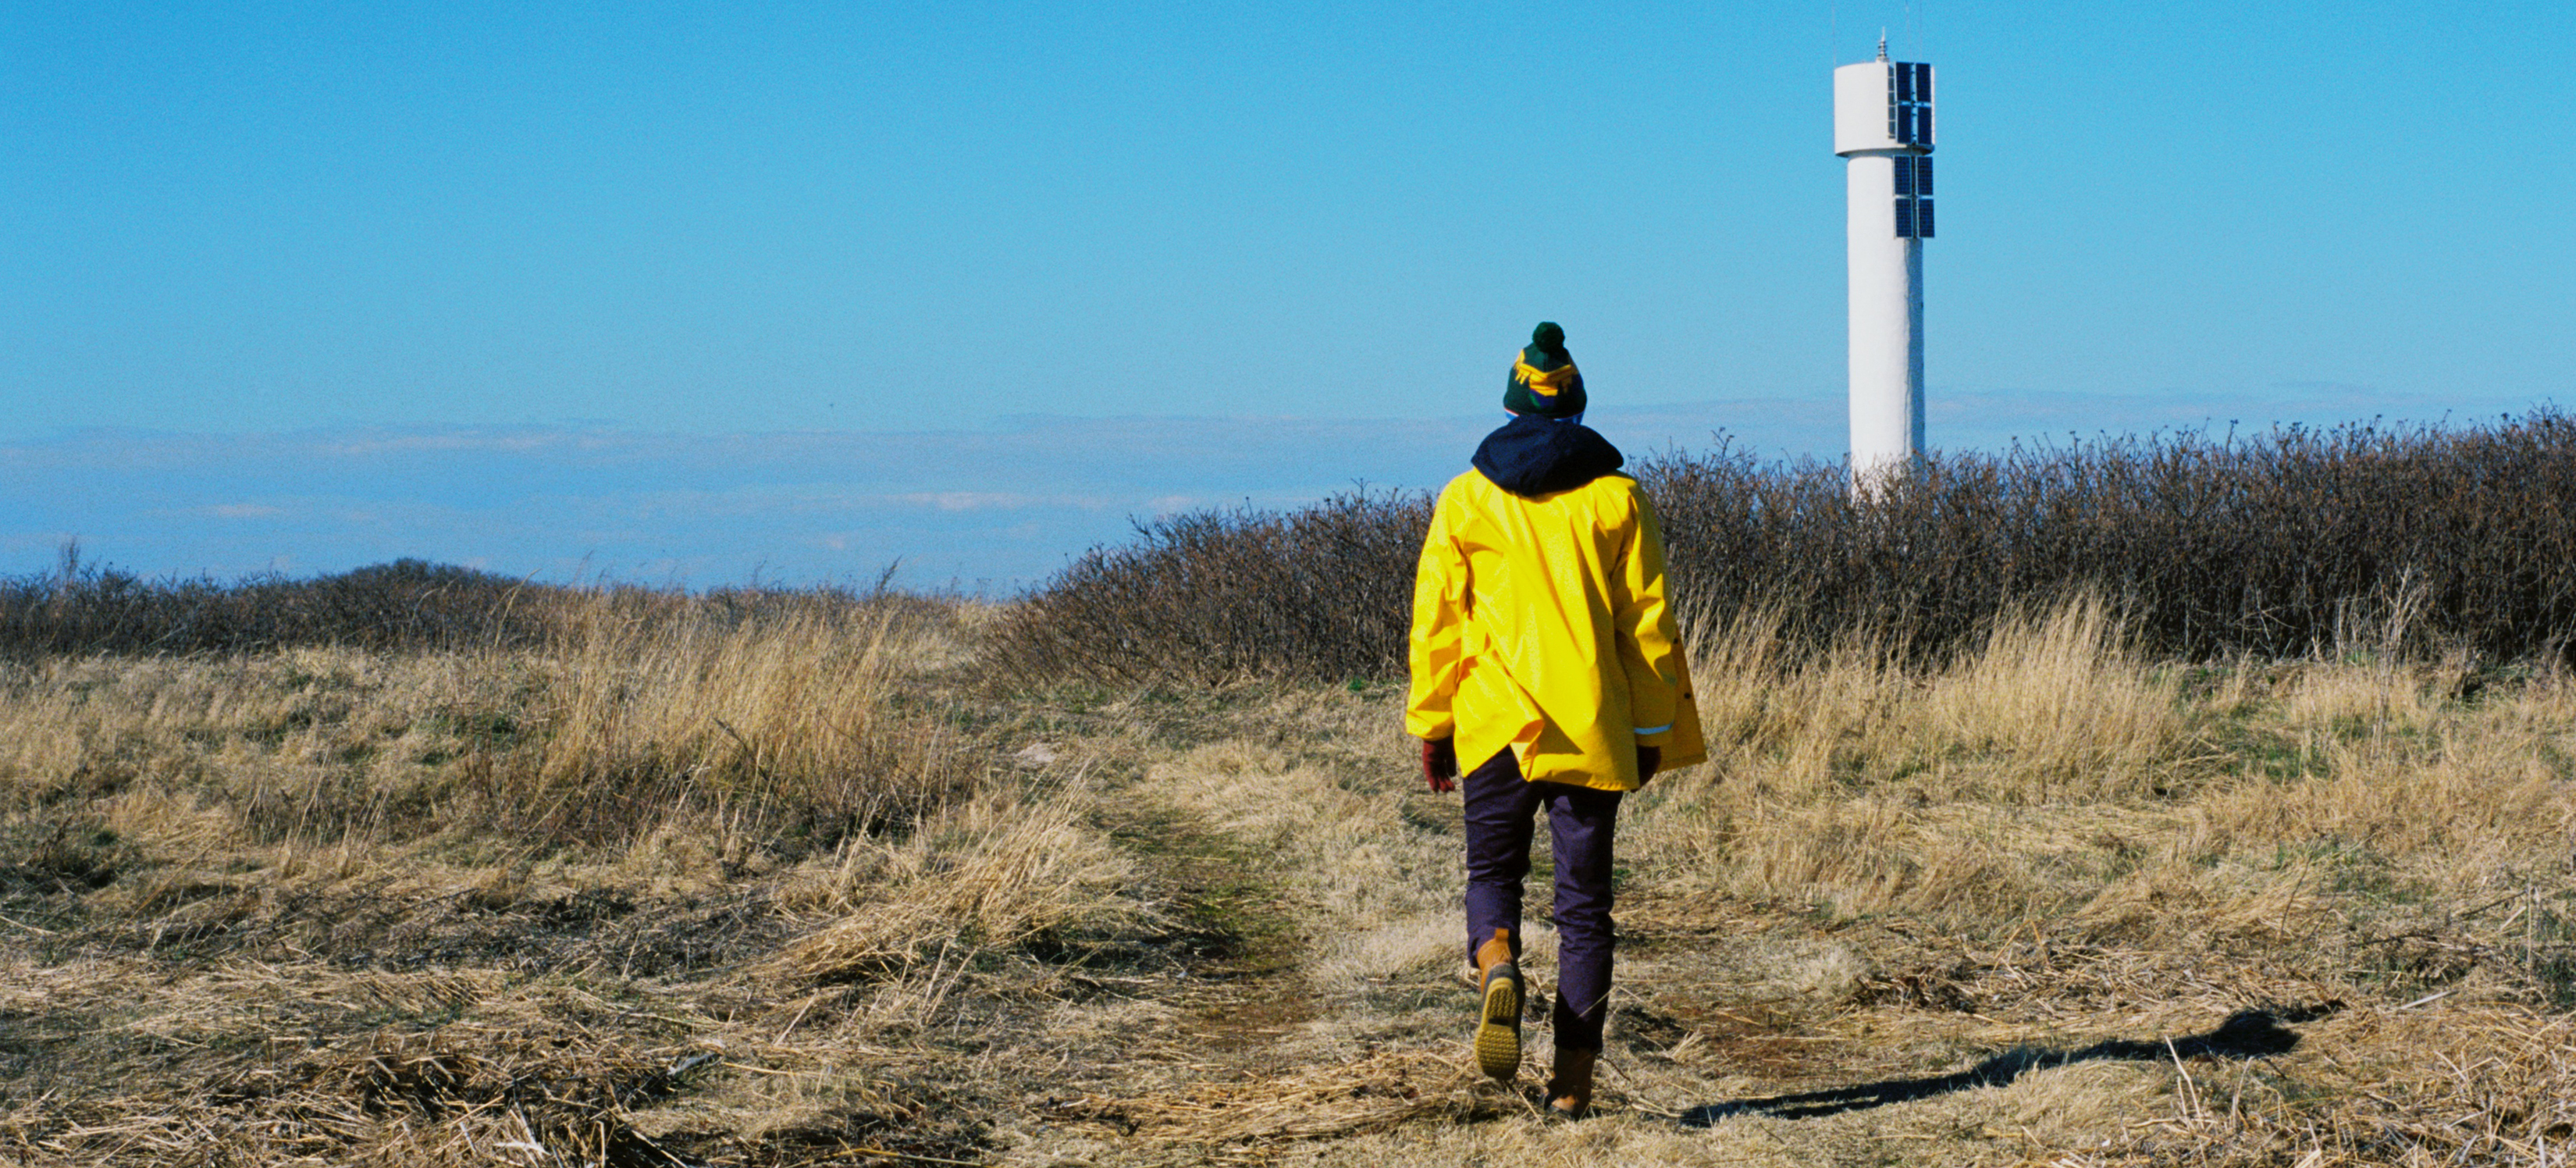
1544, 380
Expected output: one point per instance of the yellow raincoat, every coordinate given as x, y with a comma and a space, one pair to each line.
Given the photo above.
1540, 624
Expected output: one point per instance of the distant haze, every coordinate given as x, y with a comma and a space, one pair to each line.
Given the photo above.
990, 510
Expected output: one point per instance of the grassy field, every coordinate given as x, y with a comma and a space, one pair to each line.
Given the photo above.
682, 882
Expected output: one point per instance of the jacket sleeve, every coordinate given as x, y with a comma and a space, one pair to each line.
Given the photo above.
1649, 643
1437, 652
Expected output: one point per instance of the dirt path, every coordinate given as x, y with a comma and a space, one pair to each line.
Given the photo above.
1315, 1015
1236, 940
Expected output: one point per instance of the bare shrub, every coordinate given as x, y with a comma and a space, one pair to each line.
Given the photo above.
83, 608
2362, 537
1320, 594
405, 604
2275, 545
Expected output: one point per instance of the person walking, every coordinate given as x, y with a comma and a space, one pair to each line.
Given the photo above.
1544, 652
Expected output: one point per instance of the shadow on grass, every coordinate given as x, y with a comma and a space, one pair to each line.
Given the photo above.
2245, 1034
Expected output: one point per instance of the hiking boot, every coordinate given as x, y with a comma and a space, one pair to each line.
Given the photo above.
1498, 1024
1569, 1089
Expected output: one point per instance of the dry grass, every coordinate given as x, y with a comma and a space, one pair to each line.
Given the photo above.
774, 729
690, 884
1380, 1092
788, 714
996, 873
1380, 895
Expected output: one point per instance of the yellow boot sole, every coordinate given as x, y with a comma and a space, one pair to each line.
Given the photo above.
1498, 1033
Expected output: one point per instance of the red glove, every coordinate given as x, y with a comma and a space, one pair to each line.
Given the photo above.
1648, 758
1440, 764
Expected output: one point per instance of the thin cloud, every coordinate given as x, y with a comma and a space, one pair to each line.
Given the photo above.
1000, 500
994, 509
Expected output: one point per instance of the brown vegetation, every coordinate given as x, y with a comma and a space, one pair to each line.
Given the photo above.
2209, 548
1320, 594
787, 878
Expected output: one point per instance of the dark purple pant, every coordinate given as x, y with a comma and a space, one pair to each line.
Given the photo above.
1500, 810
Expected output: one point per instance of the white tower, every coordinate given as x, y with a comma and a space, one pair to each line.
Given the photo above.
1883, 125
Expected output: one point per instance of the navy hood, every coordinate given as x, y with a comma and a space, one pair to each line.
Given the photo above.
1532, 456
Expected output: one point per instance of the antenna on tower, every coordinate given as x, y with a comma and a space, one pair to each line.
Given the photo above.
1882, 44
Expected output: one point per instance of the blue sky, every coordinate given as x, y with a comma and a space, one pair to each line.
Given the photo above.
697, 292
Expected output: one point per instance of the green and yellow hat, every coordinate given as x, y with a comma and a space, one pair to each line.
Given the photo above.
1544, 380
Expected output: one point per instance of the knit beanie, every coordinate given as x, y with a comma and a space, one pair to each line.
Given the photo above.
1544, 380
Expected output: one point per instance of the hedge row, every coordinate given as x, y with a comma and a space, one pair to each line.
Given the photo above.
2274, 545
